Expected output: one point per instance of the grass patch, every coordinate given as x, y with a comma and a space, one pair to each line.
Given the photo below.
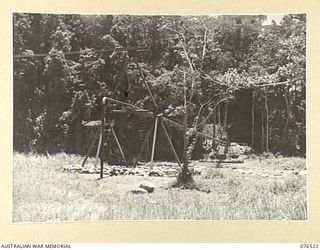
212, 173
42, 192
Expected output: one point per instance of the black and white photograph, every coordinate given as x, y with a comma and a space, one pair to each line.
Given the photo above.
159, 117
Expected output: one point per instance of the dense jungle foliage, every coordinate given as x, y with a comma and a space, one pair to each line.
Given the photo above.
198, 62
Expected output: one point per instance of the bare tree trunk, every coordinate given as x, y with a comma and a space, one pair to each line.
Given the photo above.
185, 144
294, 99
226, 115
185, 123
252, 121
262, 131
285, 129
204, 47
219, 121
214, 124
267, 121
184, 178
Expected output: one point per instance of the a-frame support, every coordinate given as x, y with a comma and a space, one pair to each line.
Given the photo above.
170, 142
157, 121
154, 139
119, 145
103, 124
100, 150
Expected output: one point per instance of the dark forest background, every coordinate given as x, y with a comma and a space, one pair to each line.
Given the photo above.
229, 62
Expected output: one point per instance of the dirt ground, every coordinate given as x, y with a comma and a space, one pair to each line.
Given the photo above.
257, 168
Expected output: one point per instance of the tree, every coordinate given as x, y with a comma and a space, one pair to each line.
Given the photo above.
280, 50
62, 75
277, 56
202, 94
24, 74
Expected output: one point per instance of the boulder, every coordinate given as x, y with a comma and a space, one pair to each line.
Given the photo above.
156, 173
139, 191
149, 187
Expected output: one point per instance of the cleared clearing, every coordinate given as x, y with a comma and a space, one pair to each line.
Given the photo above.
270, 189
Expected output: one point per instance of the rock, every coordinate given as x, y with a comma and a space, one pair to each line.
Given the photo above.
123, 172
139, 191
197, 172
147, 186
155, 173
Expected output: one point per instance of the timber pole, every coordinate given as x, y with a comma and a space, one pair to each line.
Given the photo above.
154, 140
119, 145
170, 142
103, 121
98, 150
147, 85
94, 138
